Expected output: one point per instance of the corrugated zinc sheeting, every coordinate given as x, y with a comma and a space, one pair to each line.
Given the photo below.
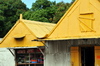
40, 29
82, 20
24, 31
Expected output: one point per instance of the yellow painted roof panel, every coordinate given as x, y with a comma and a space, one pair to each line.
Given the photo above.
40, 29
80, 21
23, 32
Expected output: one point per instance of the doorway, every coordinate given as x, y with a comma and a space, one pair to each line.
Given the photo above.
87, 56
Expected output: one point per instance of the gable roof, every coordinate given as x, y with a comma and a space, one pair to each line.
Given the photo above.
40, 29
80, 21
24, 31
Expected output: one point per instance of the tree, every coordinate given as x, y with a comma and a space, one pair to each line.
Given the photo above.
60, 11
73, 1
9, 14
46, 11
42, 10
41, 4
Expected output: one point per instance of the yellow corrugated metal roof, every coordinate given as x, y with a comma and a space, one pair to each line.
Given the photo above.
80, 21
24, 31
40, 29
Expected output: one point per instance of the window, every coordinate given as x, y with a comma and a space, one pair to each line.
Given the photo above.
29, 57
86, 22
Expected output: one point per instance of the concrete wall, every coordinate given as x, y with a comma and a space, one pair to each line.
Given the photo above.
57, 53
6, 58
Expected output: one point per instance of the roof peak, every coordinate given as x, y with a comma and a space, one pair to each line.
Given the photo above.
81, 21
21, 16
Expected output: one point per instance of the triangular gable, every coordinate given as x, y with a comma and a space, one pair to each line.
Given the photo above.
21, 36
82, 20
40, 29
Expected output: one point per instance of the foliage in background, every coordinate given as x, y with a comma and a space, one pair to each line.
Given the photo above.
60, 11
9, 14
47, 11
42, 10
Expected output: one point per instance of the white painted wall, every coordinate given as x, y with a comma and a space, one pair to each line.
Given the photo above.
6, 58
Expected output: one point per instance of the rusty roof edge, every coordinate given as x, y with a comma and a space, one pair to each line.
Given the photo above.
63, 17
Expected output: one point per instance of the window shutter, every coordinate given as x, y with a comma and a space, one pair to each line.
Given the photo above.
86, 22
74, 56
97, 55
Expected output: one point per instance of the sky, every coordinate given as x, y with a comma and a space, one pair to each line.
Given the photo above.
29, 2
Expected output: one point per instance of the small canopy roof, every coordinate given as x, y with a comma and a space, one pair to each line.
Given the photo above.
24, 31
82, 20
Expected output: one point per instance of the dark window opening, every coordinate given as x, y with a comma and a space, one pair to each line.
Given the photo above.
87, 56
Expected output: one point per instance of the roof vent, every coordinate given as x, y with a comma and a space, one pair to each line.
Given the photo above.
19, 36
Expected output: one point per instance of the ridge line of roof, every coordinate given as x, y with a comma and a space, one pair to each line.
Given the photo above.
37, 22
28, 29
63, 17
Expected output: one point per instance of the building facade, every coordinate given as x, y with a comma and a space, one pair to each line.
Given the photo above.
75, 40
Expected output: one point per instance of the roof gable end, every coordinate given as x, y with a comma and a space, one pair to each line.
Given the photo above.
80, 21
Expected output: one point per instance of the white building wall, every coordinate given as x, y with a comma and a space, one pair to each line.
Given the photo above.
6, 58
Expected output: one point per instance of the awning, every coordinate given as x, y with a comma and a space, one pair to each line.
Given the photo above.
19, 36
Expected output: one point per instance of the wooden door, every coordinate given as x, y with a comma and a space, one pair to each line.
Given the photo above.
97, 55
75, 56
